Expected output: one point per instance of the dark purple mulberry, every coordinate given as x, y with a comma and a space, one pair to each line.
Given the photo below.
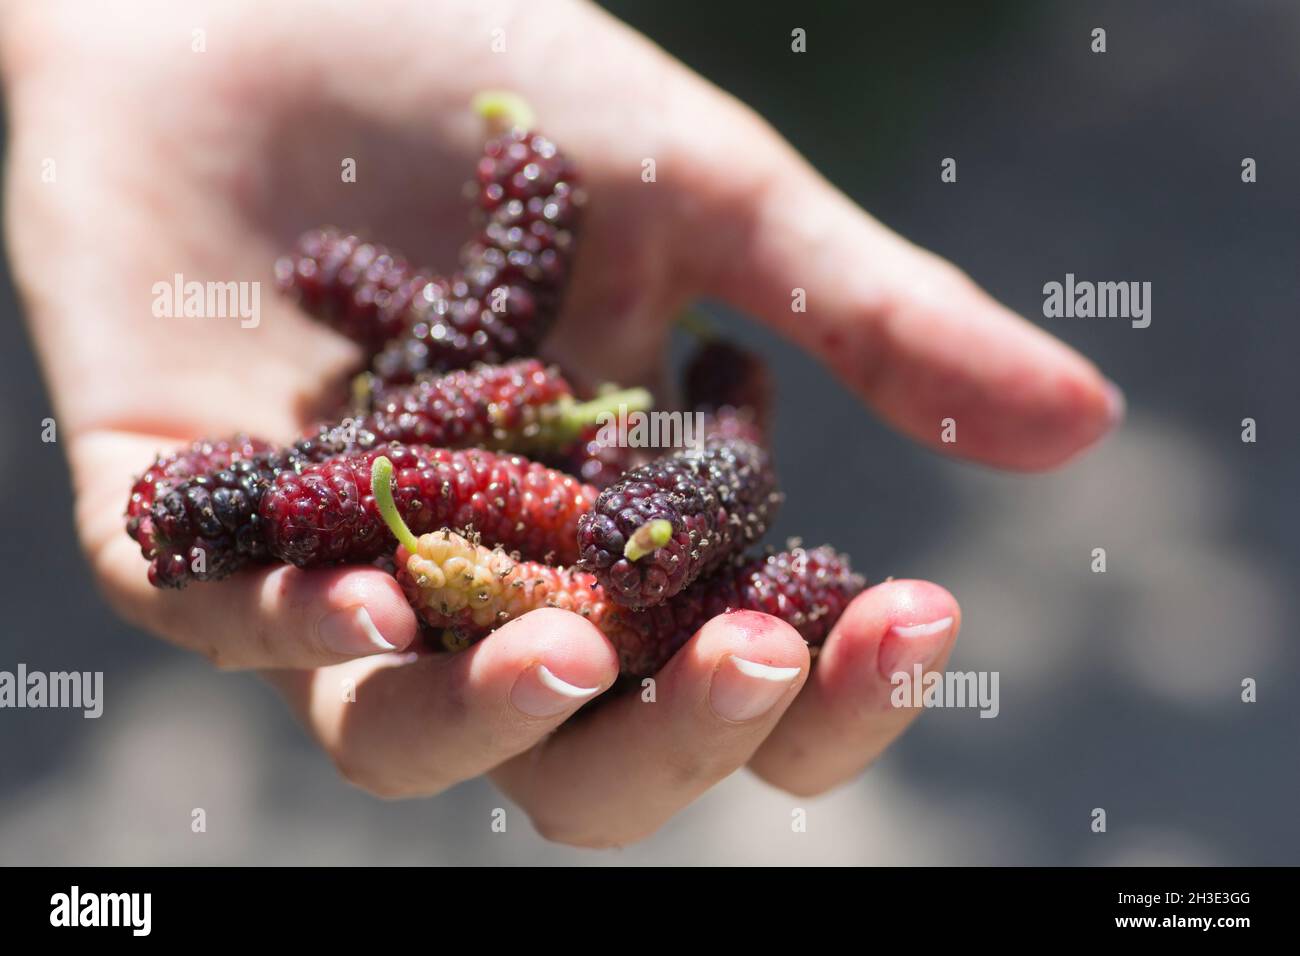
508, 291
601, 465
364, 290
807, 589
514, 406
677, 518
168, 470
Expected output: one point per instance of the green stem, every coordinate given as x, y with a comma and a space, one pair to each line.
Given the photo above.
363, 392
575, 417
649, 537
502, 106
381, 484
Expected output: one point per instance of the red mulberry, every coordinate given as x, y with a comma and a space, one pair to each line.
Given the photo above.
325, 513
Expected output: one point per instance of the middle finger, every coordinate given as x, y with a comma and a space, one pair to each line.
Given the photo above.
617, 775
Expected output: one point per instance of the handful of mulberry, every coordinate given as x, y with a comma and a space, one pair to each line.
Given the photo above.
424, 468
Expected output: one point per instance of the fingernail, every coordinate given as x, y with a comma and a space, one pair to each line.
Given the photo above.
906, 645
1115, 404
352, 632
539, 693
742, 690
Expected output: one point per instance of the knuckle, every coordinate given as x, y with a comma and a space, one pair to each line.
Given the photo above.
686, 770
266, 643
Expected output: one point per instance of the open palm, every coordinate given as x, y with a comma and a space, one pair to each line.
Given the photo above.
169, 160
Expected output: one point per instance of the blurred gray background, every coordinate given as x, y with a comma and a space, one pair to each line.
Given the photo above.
1118, 690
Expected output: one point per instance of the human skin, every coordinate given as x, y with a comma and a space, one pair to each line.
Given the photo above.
208, 163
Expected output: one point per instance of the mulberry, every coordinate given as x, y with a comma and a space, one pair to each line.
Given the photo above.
208, 524
468, 589
601, 464
325, 513
364, 290
722, 375
672, 520
168, 470
508, 291
522, 406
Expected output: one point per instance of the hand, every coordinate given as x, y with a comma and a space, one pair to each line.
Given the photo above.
208, 163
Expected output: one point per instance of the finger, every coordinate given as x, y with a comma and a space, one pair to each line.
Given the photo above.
613, 777
276, 617
906, 330
412, 725
844, 718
